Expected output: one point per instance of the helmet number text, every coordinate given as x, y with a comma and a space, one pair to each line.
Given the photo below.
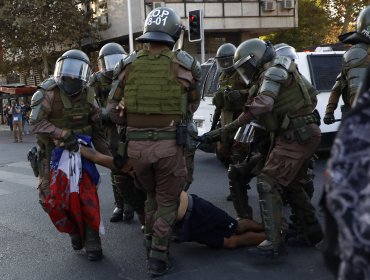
158, 17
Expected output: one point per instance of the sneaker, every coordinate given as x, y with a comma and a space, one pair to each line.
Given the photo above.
157, 267
15, 141
268, 251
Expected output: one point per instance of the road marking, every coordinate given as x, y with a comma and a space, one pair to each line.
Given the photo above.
20, 164
17, 178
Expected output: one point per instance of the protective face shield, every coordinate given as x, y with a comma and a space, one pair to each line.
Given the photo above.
179, 42
225, 64
71, 75
225, 57
107, 63
247, 68
250, 56
109, 55
285, 50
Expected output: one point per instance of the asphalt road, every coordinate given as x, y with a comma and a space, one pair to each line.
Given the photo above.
32, 249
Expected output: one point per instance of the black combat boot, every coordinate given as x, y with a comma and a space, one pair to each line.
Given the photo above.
117, 215
158, 263
128, 213
76, 242
93, 244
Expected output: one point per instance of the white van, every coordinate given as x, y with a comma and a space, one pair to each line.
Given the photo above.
322, 68
319, 67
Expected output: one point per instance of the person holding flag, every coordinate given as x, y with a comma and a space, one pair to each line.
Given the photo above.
62, 108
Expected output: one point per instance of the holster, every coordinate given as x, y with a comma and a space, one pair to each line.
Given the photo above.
33, 157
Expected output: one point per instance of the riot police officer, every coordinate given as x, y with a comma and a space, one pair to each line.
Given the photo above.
355, 62
229, 101
100, 82
61, 108
159, 88
283, 106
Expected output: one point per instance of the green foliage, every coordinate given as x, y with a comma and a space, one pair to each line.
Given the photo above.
313, 25
35, 32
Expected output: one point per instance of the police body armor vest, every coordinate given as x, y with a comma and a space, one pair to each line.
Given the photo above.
290, 102
151, 86
67, 115
72, 115
102, 87
231, 81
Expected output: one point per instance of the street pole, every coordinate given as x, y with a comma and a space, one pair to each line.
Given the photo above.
131, 39
202, 48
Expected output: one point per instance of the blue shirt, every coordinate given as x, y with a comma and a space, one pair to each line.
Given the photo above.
17, 116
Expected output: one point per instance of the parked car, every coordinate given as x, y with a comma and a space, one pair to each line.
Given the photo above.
319, 67
209, 82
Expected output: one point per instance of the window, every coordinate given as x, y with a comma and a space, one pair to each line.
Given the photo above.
324, 70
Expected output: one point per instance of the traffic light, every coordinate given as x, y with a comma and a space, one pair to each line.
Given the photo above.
195, 25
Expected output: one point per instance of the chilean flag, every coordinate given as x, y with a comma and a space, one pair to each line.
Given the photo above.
73, 200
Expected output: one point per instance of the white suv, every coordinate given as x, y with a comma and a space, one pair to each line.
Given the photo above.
319, 67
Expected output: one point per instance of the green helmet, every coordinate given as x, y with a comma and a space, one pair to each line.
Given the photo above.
250, 57
363, 23
283, 49
72, 71
162, 25
109, 55
225, 56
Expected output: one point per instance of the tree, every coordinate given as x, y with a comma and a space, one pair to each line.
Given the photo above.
312, 27
34, 32
343, 15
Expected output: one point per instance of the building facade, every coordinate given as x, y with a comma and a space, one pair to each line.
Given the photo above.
224, 20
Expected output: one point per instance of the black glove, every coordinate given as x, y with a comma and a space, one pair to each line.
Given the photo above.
70, 142
104, 115
205, 138
119, 161
329, 118
233, 96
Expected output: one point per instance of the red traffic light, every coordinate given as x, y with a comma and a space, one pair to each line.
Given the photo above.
195, 25
192, 18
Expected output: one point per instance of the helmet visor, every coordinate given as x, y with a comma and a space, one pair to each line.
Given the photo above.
73, 68
225, 63
246, 68
108, 62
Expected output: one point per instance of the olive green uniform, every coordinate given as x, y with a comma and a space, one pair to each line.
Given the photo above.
53, 111
355, 62
283, 106
125, 195
229, 101
159, 89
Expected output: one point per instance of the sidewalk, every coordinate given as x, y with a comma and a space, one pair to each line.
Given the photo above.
4, 127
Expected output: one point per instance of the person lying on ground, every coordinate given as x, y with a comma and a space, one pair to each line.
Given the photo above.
198, 220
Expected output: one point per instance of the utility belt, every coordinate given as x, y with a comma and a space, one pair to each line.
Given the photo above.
186, 134
296, 128
151, 135
87, 130
152, 120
